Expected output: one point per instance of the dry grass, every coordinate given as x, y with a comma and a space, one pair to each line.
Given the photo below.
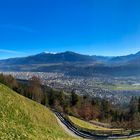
87, 125
23, 119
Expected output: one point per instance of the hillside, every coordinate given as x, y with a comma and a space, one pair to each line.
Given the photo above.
23, 119
88, 125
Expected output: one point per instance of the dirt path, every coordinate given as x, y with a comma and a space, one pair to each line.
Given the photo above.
67, 130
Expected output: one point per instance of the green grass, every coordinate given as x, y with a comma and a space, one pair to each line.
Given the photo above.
121, 87
87, 125
23, 119
135, 139
138, 138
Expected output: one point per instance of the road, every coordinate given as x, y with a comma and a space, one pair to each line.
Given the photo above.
88, 135
79, 133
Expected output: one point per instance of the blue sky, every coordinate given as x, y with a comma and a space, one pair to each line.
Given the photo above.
95, 27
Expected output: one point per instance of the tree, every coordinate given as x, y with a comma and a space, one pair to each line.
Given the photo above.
139, 105
105, 109
134, 115
21, 89
61, 98
51, 97
133, 107
86, 110
9, 81
74, 98
35, 89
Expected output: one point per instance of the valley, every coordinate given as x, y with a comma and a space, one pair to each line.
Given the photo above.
65, 104
70, 70
118, 90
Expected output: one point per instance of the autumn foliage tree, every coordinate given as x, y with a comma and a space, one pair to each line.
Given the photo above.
9, 81
35, 89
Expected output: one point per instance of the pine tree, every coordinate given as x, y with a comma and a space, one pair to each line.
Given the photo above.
51, 97
139, 105
134, 112
61, 98
105, 108
74, 98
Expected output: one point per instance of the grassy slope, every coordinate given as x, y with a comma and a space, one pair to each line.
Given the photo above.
85, 124
23, 119
135, 139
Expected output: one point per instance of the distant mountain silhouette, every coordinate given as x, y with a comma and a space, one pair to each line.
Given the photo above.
50, 58
128, 59
75, 64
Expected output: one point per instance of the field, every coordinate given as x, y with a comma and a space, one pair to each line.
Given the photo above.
120, 87
87, 125
23, 119
134, 139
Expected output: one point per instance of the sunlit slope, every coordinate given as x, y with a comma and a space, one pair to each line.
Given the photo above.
23, 119
87, 125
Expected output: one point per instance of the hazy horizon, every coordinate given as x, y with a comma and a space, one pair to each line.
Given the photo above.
26, 55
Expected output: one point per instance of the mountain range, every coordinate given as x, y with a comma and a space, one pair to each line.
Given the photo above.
71, 62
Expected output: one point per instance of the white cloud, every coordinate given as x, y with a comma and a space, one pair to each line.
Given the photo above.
8, 51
